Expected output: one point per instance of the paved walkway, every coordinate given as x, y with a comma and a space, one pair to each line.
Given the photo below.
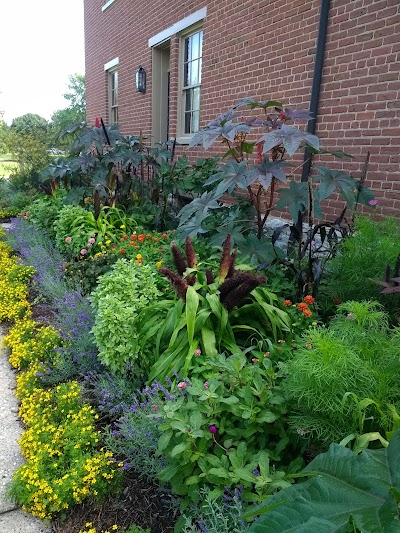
12, 518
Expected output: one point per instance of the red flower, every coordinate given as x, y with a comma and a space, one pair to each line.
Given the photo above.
97, 122
287, 303
122, 251
309, 299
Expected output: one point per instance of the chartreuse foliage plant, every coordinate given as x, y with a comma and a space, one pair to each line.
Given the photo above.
344, 490
63, 465
119, 297
229, 312
13, 289
226, 430
344, 379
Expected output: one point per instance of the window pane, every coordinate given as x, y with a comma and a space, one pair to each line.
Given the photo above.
193, 73
196, 99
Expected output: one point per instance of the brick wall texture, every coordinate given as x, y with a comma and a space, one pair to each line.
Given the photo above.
266, 49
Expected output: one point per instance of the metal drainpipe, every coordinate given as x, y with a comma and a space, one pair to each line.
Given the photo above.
316, 84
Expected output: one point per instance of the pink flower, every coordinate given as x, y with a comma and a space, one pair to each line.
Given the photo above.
68, 239
154, 408
255, 360
182, 385
197, 352
213, 429
83, 251
206, 385
373, 202
91, 240
89, 245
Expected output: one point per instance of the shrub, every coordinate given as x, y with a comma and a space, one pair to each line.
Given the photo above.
344, 377
67, 226
44, 211
118, 299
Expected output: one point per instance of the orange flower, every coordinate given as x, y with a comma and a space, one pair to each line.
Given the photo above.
141, 237
132, 243
302, 306
164, 236
122, 251
155, 239
309, 299
148, 236
288, 303
307, 313
336, 300
133, 237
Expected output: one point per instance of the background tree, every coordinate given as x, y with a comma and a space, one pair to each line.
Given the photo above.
76, 111
29, 140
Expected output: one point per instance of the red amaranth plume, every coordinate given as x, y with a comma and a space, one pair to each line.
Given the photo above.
232, 283
179, 260
179, 284
209, 277
97, 123
225, 258
190, 253
237, 295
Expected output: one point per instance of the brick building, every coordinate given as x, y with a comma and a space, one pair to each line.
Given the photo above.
202, 56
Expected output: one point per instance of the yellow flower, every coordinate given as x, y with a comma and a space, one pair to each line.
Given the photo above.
108, 243
123, 226
159, 264
139, 256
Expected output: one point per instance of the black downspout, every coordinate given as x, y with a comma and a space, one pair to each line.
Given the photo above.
316, 84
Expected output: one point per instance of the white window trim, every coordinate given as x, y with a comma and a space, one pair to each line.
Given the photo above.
184, 138
111, 64
107, 4
182, 24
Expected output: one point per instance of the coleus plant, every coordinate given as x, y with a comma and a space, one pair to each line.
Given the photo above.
261, 174
230, 312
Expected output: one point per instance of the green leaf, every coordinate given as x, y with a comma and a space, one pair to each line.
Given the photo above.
295, 198
163, 441
209, 342
347, 485
179, 448
230, 400
192, 304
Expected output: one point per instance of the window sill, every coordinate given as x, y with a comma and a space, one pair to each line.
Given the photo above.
184, 140
107, 4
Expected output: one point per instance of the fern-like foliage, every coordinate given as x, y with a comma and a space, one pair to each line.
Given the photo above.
346, 375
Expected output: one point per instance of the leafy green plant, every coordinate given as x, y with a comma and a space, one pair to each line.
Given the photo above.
119, 297
363, 257
213, 314
343, 379
345, 489
44, 211
215, 515
227, 429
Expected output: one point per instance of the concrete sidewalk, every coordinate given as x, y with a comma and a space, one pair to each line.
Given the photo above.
12, 518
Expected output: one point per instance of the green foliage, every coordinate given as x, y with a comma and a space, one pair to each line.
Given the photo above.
363, 257
76, 111
77, 228
121, 294
44, 211
343, 380
361, 490
226, 430
29, 139
215, 515
227, 313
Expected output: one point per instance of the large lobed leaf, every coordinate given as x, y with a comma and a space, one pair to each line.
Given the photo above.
346, 485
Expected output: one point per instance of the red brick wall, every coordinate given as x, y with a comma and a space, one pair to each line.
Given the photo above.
266, 49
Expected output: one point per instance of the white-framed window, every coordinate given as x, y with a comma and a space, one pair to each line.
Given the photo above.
191, 51
113, 96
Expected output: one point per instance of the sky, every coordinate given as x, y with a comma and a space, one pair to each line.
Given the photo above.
41, 44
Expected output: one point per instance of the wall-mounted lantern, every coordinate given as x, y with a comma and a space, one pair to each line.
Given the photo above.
140, 80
